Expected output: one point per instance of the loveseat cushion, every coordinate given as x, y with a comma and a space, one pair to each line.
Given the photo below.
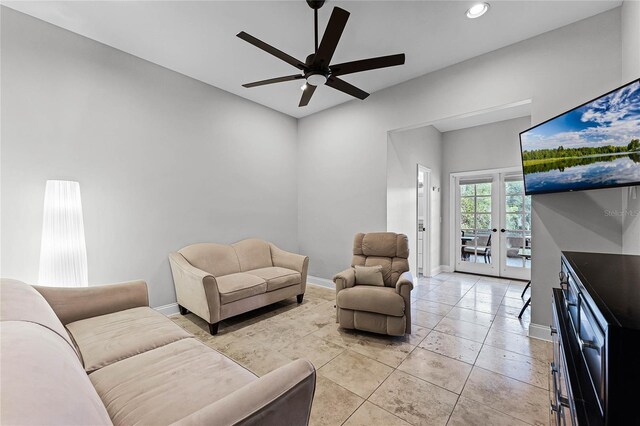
239, 286
277, 277
253, 254
379, 300
42, 380
166, 384
106, 339
21, 302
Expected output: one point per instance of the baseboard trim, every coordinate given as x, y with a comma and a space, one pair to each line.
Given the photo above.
439, 269
540, 332
170, 309
320, 282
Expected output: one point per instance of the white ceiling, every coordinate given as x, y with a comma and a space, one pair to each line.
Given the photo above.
197, 38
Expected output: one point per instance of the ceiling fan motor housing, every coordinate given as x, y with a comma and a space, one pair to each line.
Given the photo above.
315, 4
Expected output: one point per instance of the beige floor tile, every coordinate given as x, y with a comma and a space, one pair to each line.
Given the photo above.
469, 315
460, 285
315, 349
338, 335
516, 366
371, 415
438, 369
385, 349
476, 296
448, 299
520, 400
452, 346
332, 404
515, 291
433, 307
520, 344
422, 289
356, 373
424, 318
489, 287
514, 311
320, 291
416, 336
478, 305
414, 400
455, 289
513, 302
511, 325
470, 413
463, 329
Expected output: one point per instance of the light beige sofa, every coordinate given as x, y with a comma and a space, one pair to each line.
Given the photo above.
217, 281
101, 356
385, 310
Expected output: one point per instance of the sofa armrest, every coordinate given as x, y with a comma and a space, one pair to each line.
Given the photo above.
404, 287
345, 279
196, 290
281, 397
74, 304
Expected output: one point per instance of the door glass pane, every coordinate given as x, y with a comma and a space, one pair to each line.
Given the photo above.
475, 220
517, 221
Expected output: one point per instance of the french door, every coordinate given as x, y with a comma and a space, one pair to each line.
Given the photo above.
492, 217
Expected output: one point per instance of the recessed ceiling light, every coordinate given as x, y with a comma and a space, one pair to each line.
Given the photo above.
477, 10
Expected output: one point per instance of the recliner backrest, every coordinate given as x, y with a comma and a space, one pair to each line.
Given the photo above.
387, 249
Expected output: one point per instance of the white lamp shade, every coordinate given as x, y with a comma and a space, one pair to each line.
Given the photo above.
63, 253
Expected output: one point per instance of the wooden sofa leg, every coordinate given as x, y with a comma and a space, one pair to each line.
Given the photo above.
213, 328
300, 297
183, 310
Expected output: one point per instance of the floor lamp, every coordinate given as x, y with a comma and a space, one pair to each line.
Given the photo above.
63, 253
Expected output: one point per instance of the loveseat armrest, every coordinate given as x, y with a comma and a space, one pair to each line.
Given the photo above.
285, 259
281, 397
345, 279
196, 290
74, 304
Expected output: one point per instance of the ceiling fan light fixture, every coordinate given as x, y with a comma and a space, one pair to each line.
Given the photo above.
477, 10
304, 87
316, 79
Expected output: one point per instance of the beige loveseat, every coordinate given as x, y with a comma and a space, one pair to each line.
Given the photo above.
101, 356
217, 281
385, 309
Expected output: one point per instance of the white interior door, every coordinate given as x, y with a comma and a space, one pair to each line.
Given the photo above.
423, 222
492, 224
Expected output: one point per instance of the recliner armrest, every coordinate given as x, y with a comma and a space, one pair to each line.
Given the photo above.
281, 397
405, 283
74, 304
345, 279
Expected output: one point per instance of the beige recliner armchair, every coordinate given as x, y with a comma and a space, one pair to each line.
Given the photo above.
379, 309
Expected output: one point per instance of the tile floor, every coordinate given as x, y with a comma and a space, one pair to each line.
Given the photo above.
468, 360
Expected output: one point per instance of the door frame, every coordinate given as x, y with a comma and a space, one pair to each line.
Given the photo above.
453, 213
426, 235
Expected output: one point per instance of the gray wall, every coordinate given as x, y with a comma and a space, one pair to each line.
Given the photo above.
491, 146
630, 71
342, 152
405, 150
162, 160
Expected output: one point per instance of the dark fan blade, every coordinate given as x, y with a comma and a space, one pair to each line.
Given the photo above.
274, 80
347, 88
367, 64
272, 50
331, 37
306, 95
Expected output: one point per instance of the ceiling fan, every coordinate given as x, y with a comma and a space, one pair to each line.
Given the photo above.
317, 68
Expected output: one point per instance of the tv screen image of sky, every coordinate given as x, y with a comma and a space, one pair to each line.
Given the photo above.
593, 146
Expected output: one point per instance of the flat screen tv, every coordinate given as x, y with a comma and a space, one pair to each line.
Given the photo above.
596, 145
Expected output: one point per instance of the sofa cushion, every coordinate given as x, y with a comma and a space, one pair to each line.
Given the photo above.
42, 380
253, 254
21, 302
240, 286
379, 300
277, 277
216, 259
106, 339
168, 383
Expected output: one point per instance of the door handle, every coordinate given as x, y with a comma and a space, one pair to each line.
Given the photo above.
494, 230
503, 230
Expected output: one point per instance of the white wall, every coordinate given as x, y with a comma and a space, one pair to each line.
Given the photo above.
491, 146
342, 153
162, 160
405, 150
630, 71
